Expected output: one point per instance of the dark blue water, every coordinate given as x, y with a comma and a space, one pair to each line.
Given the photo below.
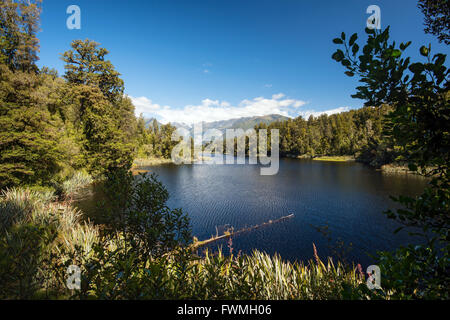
347, 197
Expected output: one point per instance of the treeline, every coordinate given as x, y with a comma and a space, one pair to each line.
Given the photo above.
357, 133
155, 140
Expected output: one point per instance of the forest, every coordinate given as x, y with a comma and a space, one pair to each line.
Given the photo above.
52, 126
359, 133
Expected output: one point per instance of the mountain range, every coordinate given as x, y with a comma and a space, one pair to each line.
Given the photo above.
239, 123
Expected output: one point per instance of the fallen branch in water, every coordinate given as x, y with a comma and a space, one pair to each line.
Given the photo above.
227, 234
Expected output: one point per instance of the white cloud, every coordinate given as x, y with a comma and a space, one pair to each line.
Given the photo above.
277, 96
214, 110
144, 105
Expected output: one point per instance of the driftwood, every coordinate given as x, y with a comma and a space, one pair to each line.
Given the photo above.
198, 244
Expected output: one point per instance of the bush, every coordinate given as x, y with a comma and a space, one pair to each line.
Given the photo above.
36, 235
72, 187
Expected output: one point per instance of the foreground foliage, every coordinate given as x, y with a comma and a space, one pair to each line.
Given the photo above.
144, 254
419, 124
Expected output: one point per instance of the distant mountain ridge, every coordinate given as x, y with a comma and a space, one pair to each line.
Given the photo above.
243, 123
238, 123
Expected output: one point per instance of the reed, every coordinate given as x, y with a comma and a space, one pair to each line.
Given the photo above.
255, 276
335, 158
73, 186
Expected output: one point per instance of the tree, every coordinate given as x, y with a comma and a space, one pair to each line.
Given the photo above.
104, 144
105, 118
419, 95
86, 64
437, 18
140, 231
19, 23
30, 150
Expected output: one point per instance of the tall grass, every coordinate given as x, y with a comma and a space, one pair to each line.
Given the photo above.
20, 206
257, 276
36, 234
73, 186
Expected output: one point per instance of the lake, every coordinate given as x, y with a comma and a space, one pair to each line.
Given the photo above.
348, 197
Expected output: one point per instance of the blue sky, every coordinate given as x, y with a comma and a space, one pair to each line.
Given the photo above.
217, 59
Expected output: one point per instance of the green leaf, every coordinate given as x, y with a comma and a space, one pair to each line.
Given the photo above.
403, 46
424, 51
367, 49
346, 63
343, 36
396, 53
349, 73
338, 55
440, 59
370, 31
416, 68
353, 39
338, 41
355, 49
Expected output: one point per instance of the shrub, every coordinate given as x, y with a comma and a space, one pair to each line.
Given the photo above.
73, 186
36, 235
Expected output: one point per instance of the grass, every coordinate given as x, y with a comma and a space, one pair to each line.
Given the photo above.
254, 276
73, 186
335, 158
34, 230
151, 161
140, 163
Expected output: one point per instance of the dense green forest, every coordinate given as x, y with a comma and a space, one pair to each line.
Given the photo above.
357, 133
52, 126
61, 133
154, 139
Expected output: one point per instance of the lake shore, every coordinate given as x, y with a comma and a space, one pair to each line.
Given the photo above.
151, 161
335, 158
397, 168
140, 163
323, 158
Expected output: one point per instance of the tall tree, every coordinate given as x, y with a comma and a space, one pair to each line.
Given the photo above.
19, 23
29, 134
104, 116
86, 64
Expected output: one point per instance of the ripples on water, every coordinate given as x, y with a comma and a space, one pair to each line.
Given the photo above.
348, 197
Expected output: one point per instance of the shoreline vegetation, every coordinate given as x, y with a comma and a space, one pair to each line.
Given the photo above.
323, 158
139, 164
392, 168
335, 158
